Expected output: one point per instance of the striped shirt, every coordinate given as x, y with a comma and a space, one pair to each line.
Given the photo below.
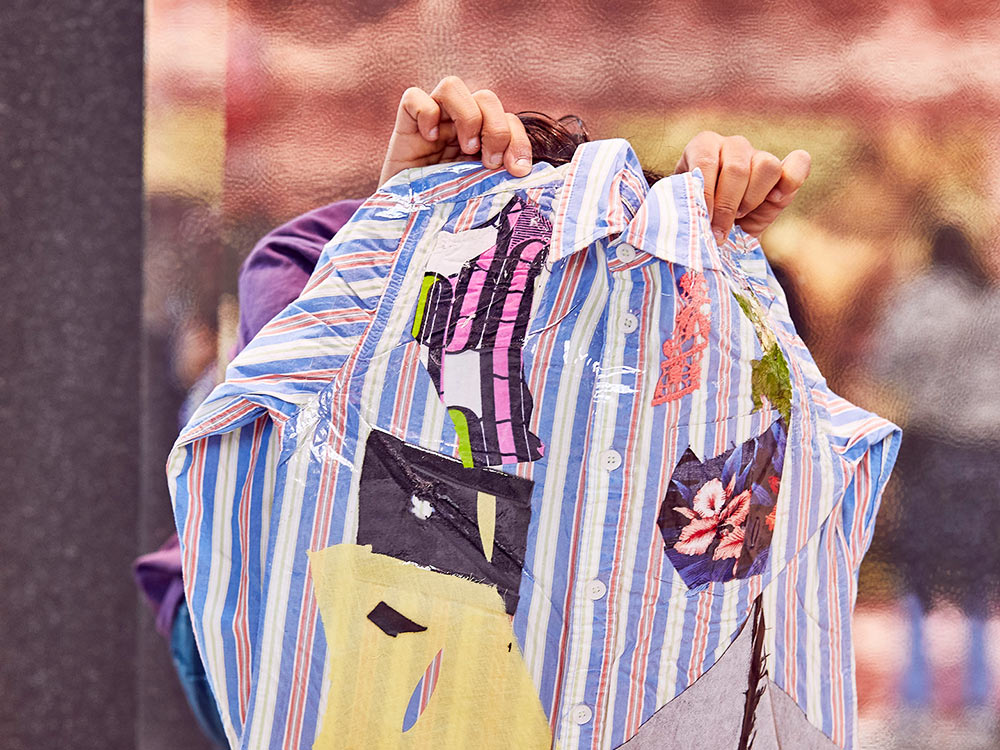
556, 390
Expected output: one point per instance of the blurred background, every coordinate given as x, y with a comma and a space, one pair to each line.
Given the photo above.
252, 112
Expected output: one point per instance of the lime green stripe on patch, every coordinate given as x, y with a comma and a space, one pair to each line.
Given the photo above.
418, 319
464, 443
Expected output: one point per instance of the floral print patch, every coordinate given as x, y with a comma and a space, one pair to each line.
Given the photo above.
718, 515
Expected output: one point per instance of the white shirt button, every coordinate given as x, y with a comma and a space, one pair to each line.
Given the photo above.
582, 714
629, 323
625, 253
596, 589
611, 460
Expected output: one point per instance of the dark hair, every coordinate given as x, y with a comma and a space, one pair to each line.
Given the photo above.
951, 248
555, 141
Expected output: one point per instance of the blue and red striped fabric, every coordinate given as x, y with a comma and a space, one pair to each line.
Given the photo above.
422, 692
269, 467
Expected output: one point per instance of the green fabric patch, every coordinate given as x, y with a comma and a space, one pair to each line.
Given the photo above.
769, 377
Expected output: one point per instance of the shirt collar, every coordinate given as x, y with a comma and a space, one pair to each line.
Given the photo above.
606, 194
672, 223
601, 193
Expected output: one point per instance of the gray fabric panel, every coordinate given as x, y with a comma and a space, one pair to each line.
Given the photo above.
782, 725
709, 714
765, 733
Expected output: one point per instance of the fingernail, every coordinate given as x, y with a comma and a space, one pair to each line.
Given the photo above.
522, 163
433, 134
493, 160
775, 195
473, 144
720, 237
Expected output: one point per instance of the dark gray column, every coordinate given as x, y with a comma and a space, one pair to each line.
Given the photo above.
70, 292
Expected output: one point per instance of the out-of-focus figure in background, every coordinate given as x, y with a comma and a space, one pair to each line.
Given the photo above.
937, 349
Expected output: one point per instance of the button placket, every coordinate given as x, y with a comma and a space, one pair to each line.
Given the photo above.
590, 609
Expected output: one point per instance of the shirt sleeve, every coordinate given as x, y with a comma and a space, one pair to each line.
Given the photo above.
302, 349
226, 472
864, 443
867, 445
223, 488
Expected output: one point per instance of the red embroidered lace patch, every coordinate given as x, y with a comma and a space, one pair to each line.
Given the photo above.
680, 370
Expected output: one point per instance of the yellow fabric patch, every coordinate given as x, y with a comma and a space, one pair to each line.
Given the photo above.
484, 697
486, 518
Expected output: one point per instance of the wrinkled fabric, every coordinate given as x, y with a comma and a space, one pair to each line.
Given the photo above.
564, 358
280, 264
709, 714
158, 575
272, 275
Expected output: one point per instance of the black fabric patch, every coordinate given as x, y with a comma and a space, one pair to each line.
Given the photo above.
421, 507
392, 622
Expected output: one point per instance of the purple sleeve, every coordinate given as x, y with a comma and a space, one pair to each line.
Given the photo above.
278, 268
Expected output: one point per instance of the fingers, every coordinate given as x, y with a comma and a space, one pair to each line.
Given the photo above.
495, 133
794, 171
418, 112
457, 102
765, 171
450, 124
741, 183
517, 158
703, 152
760, 218
481, 123
734, 177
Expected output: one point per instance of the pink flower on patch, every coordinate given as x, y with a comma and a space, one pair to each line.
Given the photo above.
714, 514
731, 545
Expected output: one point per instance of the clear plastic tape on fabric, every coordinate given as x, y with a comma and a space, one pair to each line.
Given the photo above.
442, 411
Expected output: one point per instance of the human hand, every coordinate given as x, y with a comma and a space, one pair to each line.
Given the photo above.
743, 185
452, 124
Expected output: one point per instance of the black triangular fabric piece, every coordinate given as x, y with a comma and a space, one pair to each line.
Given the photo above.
392, 622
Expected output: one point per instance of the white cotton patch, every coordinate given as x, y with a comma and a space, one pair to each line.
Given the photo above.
422, 509
453, 250
461, 380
